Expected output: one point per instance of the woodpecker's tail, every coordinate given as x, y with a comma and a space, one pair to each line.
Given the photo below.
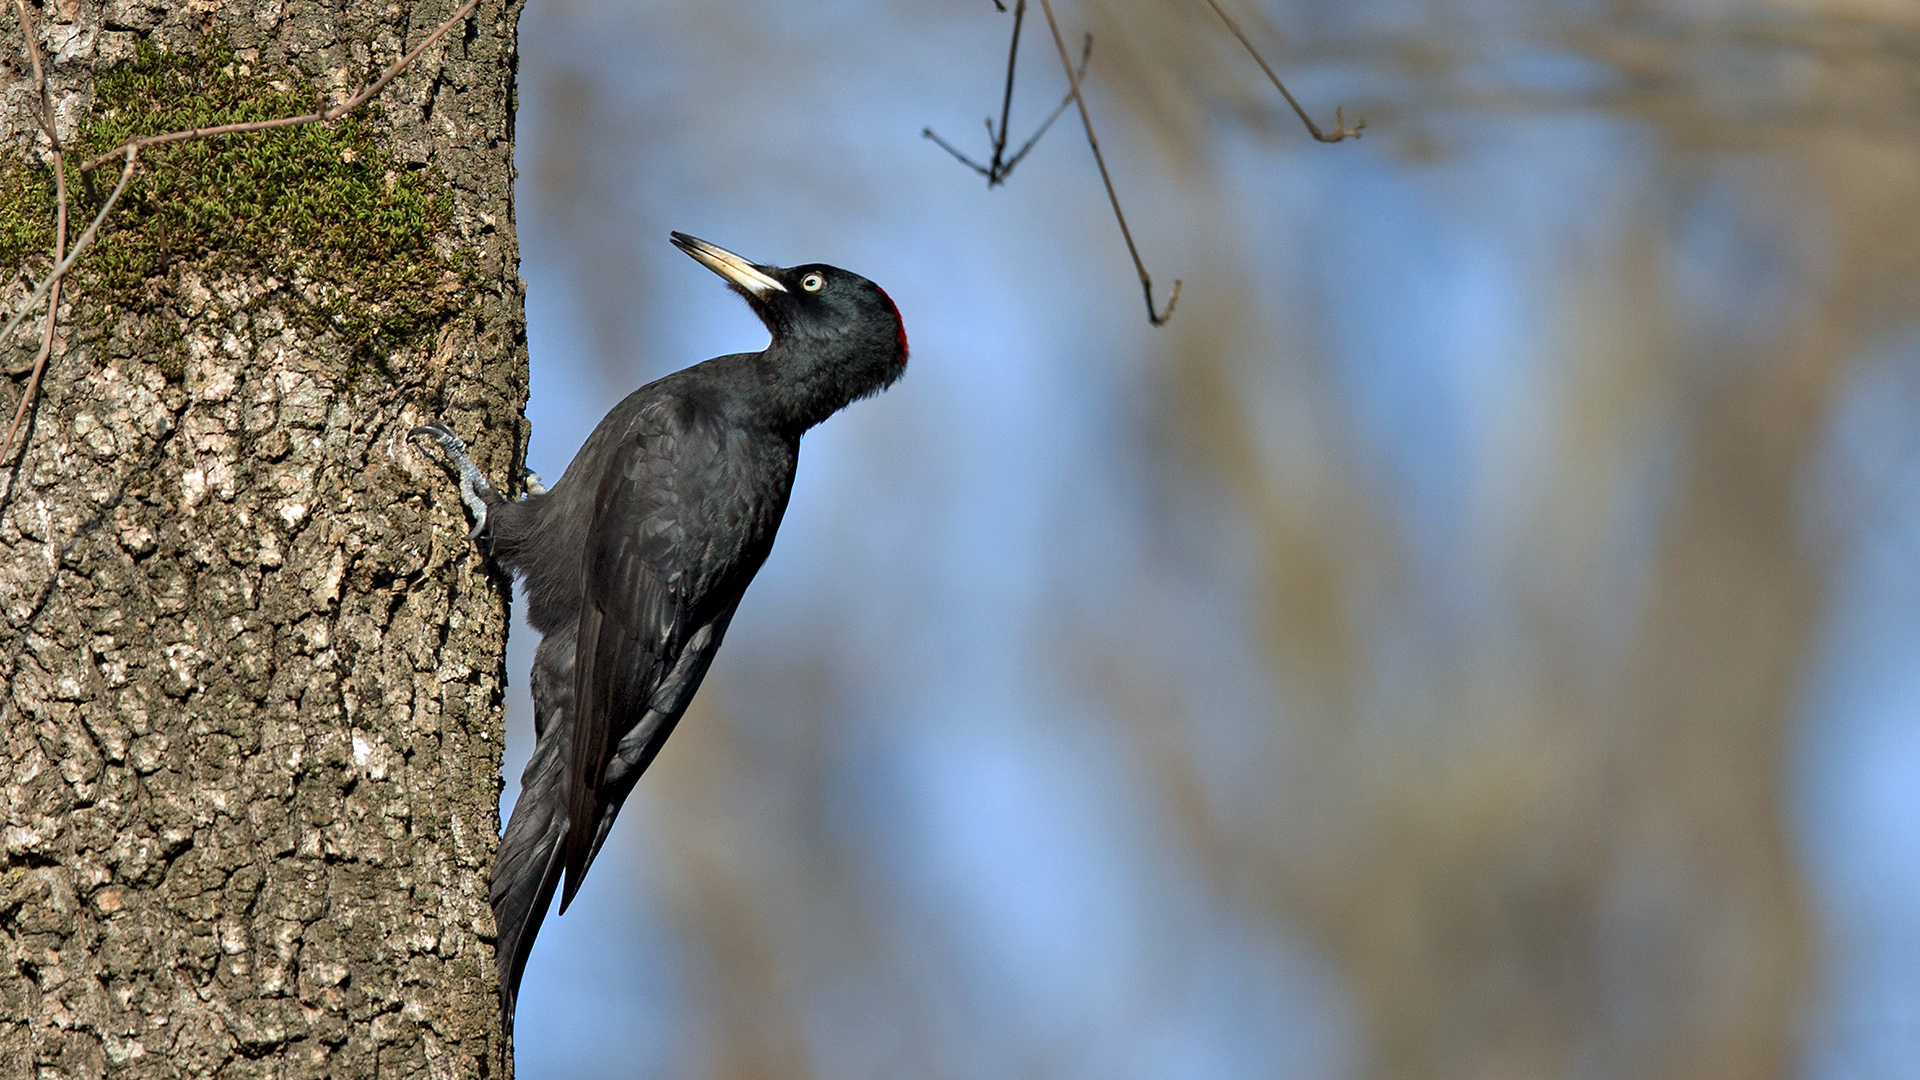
528, 866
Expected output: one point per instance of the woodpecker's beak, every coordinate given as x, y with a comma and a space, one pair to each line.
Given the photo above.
743, 275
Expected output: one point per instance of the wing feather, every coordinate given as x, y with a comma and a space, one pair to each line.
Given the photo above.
678, 529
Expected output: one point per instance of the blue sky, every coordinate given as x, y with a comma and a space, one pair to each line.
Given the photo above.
950, 542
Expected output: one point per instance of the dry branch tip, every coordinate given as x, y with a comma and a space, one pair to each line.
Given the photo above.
1341, 132
1156, 318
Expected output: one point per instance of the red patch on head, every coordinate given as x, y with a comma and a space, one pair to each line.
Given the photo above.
900, 325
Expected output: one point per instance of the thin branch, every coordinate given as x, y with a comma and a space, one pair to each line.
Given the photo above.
1086, 54
59, 230
995, 171
53, 315
1340, 129
39, 74
33, 383
1001, 167
79, 248
958, 155
51, 286
401, 64
1006, 101
48, 125
1157, 318
328, 114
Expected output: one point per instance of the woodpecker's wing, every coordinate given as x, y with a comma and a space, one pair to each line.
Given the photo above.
680, 525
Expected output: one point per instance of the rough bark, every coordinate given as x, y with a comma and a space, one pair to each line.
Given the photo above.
250, 725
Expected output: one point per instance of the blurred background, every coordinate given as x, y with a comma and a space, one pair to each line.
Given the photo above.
1474, 639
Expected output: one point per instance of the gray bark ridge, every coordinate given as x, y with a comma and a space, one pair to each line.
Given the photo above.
250, 669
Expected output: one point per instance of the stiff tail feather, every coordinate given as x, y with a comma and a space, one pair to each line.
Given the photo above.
527, 869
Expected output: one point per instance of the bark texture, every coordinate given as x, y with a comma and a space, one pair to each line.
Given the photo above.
250, 725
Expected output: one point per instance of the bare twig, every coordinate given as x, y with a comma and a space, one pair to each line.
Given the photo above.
51, 286
1340, 129
39, 74
59, 230
997, 170
1086, 54
958, 155
1006, 102
400, 65
79, 248
1157, 318
33, 383
48, 125
992, 171
330, 113
53, 317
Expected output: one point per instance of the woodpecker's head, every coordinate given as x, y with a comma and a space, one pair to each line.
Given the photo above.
825, 321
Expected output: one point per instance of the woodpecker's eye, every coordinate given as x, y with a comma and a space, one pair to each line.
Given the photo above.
813, 282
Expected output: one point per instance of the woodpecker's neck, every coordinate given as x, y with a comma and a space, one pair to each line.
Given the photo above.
804, 380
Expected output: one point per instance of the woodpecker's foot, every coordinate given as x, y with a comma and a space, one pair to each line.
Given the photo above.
475, 489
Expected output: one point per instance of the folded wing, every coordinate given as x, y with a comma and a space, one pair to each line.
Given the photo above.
679, 528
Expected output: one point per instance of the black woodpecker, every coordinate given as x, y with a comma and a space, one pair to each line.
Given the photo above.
636, 559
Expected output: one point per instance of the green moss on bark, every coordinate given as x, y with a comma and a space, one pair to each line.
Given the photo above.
359, 238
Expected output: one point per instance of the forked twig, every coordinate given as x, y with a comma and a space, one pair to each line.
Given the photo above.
52, 280
79, 248
992, 171
52, 286
1001, 167
47, 125
1157, 318
1086, 54
1340, 129
330, 113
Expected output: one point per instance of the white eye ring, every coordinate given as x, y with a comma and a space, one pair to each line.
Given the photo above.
813, 282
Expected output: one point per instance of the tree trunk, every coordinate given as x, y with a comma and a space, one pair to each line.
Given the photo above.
250, 726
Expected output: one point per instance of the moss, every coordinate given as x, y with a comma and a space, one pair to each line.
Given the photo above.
26, 217
324, 204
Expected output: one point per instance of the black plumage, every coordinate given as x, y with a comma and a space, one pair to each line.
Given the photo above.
636, 559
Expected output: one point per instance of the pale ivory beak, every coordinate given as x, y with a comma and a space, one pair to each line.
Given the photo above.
743, 274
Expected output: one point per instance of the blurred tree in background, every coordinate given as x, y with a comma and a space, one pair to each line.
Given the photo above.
1425, 657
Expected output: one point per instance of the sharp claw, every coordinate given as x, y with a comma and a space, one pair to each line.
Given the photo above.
475, 490
441, 434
